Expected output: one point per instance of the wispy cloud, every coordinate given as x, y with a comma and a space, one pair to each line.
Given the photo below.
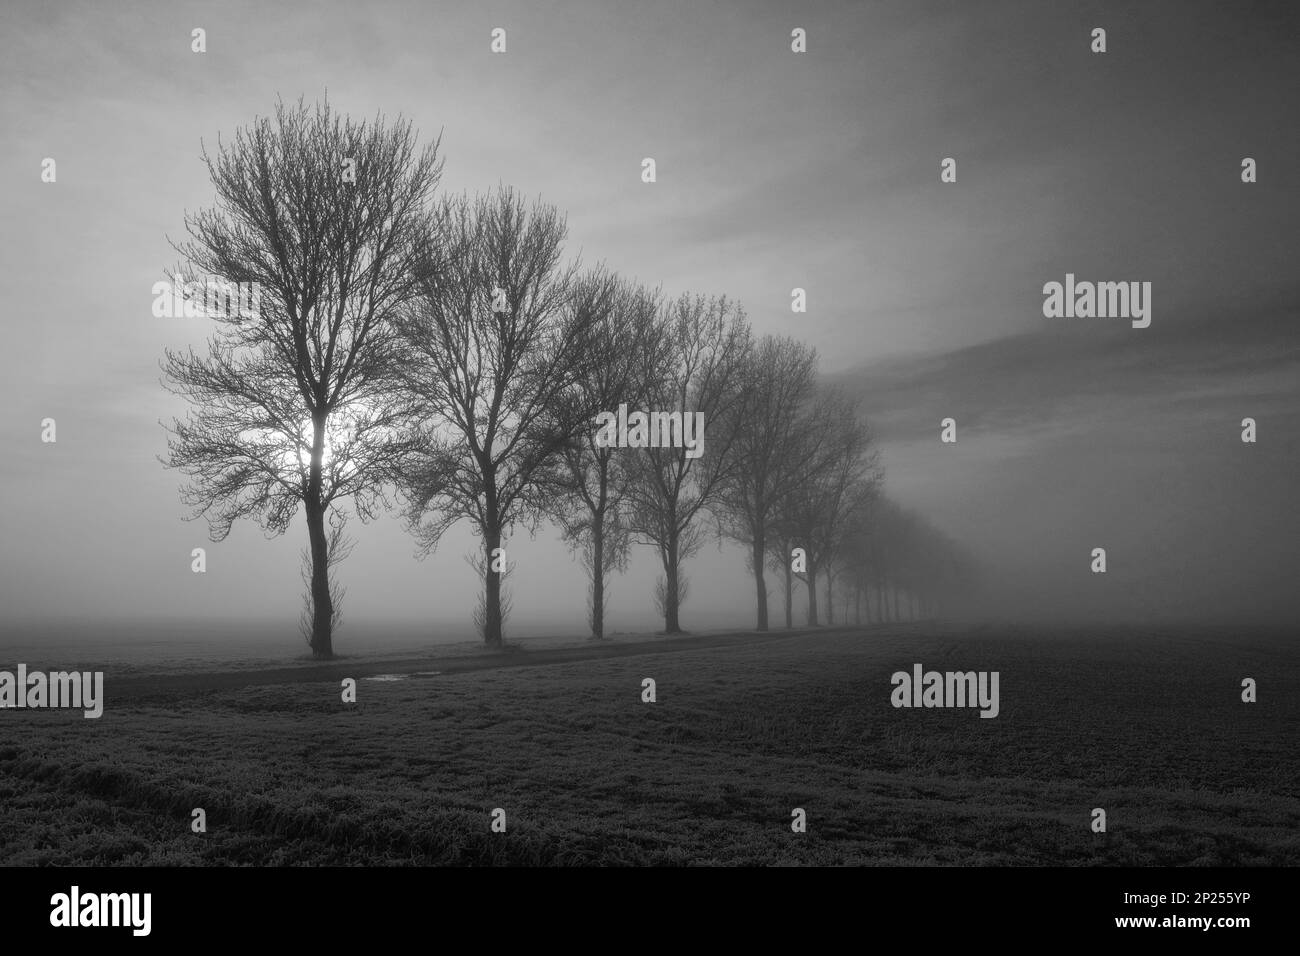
1070, 440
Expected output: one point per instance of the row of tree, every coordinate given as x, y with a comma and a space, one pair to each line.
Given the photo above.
440, 354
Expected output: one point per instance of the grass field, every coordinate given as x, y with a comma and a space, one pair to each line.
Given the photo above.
1149, 726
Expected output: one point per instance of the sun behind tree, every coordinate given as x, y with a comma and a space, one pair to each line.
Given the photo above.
293, 405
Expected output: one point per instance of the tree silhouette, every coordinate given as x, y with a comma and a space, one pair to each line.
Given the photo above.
293, 404
779, 375
699, 370
843, 472
493, 349
589, 497
906, 558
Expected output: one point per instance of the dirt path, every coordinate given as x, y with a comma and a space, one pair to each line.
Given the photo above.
140, 687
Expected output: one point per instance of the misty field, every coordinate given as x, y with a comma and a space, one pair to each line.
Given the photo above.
1149, 726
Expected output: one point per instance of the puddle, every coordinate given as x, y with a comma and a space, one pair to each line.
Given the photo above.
393, 677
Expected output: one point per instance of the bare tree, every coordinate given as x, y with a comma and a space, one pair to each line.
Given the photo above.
699, 372
588, 501
326, 218
781, 542
493, 349
856, 558
903, 554
770, 452
843, 474
338, 547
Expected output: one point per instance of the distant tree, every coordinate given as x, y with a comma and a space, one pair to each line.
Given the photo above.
844, 475
589, 494
855, 561
781, 542
293, 403
699, 370
936, 571
836, 548
779, 375
913, 567
883, 525
494, 347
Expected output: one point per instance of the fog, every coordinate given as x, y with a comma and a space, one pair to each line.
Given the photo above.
1066, 443
775, 171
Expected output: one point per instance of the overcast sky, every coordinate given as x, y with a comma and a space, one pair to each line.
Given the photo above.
775, 170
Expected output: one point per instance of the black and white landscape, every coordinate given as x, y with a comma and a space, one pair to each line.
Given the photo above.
587, 433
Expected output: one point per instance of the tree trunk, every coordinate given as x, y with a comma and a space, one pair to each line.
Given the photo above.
598, 574
672, 625
857, 604
760, 586
897, 617
811, 581
830, 602
492, 526
492, 635
322, 621
866, 599
789, 597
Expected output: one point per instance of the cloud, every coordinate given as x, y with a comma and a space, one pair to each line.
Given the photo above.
1070, 440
